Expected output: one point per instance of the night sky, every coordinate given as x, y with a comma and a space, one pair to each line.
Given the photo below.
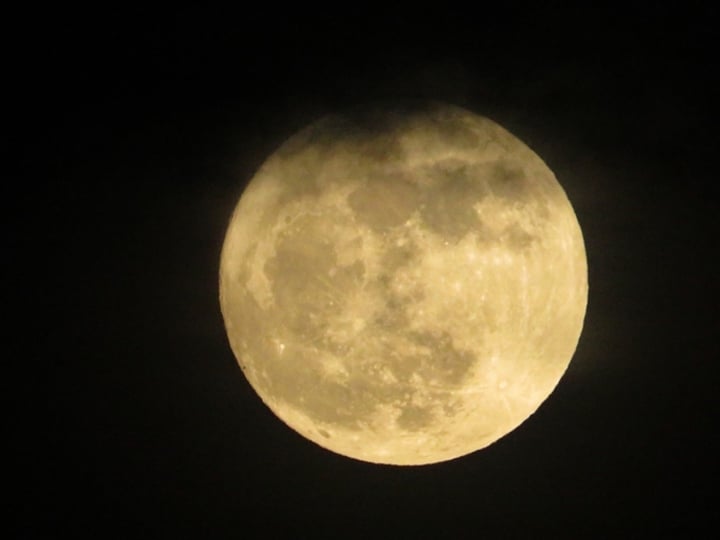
150, 124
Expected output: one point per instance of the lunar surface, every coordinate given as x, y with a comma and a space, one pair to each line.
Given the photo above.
404, 286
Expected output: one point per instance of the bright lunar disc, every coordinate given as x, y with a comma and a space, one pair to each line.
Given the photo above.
405, 285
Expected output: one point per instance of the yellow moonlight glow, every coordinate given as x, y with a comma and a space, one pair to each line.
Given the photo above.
406, 286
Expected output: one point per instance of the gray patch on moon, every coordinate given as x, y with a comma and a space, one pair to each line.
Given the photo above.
398, 255
382, 204
413, 418
446, 364
393, 317
403, 366
308, 286
517, 238
448, 205
509, 181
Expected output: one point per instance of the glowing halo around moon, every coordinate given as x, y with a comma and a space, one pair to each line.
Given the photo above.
404, 286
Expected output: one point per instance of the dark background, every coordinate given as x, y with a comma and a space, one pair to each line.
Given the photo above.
142, 128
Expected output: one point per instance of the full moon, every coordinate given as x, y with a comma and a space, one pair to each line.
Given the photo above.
403, 285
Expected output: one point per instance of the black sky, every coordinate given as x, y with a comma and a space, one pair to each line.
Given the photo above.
146, 125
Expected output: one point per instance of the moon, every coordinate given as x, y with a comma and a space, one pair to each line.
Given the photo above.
403, 285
